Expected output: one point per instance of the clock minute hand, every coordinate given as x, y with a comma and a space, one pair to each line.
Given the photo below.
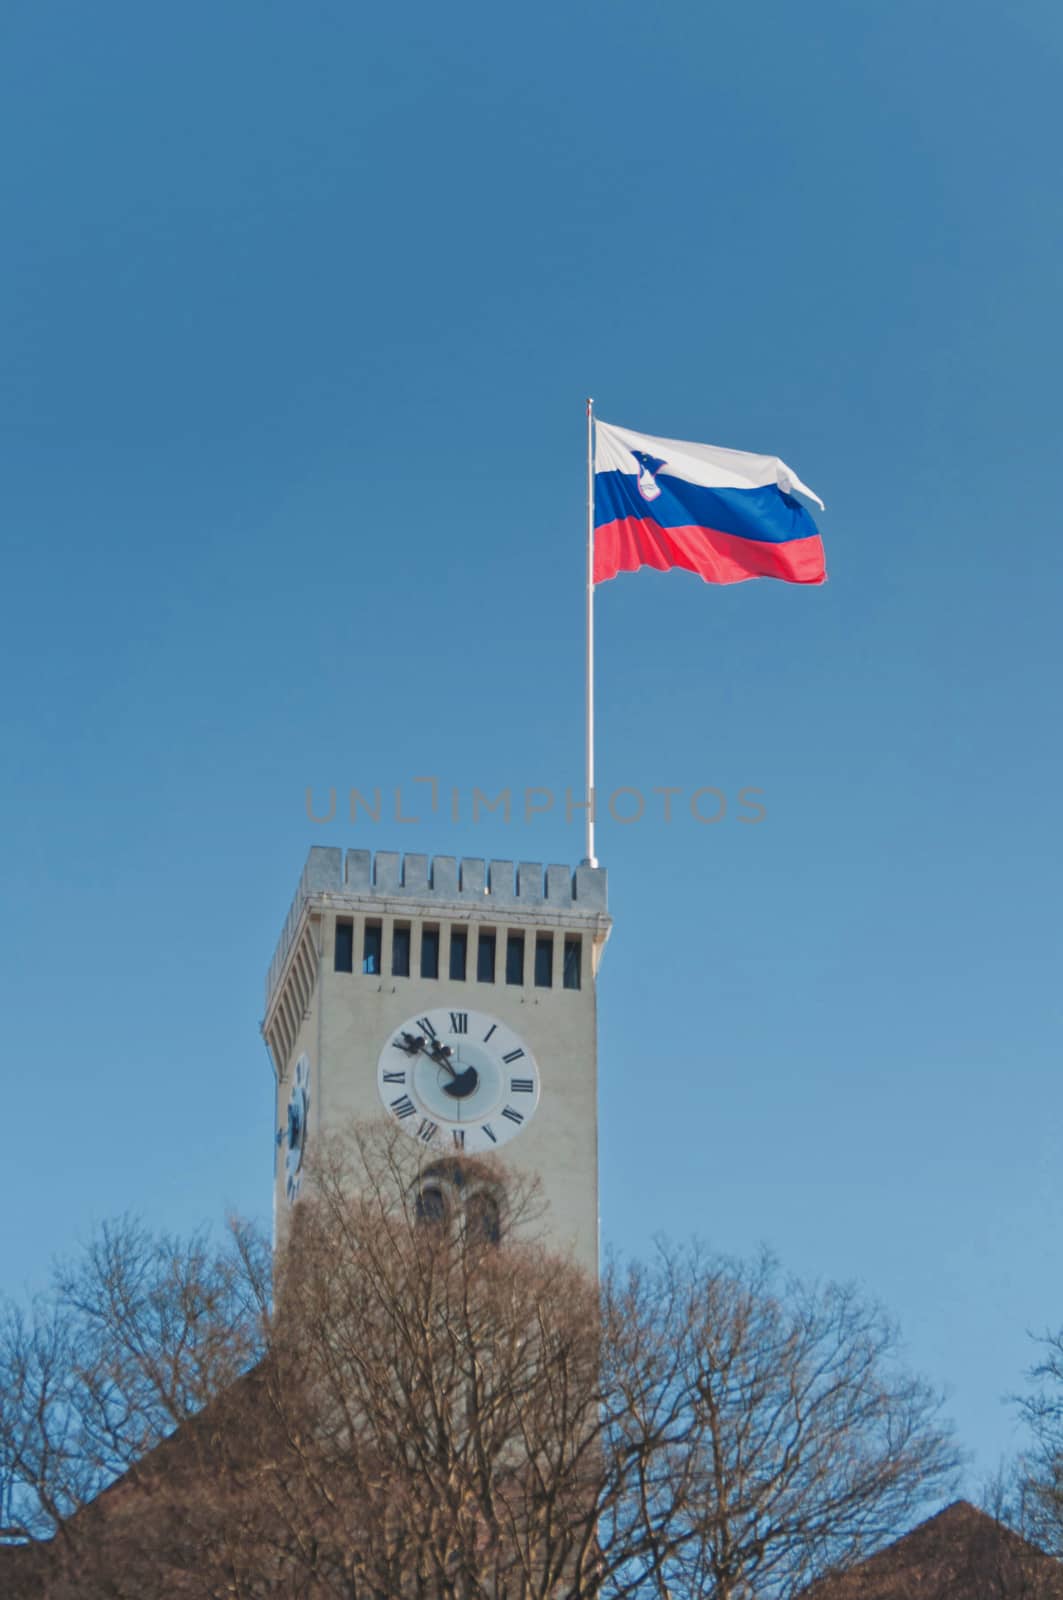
416, 1044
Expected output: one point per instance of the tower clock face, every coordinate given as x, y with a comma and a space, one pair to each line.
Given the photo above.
295, 1133
458, 1080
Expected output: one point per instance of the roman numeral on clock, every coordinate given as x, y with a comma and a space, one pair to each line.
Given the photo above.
426, 1027
513, 1055
403, 1106
459, 1022
514, 1116
522, 1085
427, 1130
394, 1077
490, 1132
490, 1031
459, 1138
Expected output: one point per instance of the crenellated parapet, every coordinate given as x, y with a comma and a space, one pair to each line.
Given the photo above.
467, 888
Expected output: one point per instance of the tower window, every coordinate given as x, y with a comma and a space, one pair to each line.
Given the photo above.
483, 1223
344, 944
573, 962
371, 947
515, 958
485, 958
431, 1205
400, 950
459, 954
544, 960
429, 952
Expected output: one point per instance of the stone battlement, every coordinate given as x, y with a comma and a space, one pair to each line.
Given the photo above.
330, 878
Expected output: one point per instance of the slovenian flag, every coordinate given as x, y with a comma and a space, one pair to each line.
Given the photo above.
724, 514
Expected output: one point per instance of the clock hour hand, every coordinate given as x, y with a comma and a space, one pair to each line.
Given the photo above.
441, 1054
462, 1082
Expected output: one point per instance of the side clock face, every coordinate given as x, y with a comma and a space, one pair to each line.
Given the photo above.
458, 1080
295, 1133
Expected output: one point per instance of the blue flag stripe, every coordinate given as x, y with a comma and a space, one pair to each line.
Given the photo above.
766, 514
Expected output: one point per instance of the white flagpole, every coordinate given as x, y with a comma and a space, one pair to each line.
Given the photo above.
591, 859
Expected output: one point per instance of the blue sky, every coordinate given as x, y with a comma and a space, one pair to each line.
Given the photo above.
299, 308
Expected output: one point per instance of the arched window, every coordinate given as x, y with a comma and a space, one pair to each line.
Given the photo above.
449, 1193
431, 1204
483, 1220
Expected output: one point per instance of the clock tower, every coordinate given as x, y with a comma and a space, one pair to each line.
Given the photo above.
454, 999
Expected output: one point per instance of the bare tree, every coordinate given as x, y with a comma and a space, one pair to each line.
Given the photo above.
794, 1441
130, 1344
1039, 1489
440, 1406
1004, 1558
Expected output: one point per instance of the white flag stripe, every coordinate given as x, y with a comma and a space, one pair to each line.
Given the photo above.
708, 464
